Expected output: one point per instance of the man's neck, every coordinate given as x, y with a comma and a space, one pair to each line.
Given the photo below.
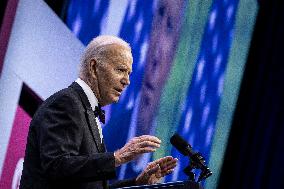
93, 85
92, 98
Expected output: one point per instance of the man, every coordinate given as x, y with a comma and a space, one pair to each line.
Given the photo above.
65, 147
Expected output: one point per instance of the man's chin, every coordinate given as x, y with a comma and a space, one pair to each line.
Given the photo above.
111, 101
115, 99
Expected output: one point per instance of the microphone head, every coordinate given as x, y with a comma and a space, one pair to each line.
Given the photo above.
180, 144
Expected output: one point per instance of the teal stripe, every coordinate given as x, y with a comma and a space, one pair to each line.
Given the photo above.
174, 93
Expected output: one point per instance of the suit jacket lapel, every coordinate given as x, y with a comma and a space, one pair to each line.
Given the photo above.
92, 124
94, 128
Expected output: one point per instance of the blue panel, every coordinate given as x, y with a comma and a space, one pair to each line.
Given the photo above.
203, 99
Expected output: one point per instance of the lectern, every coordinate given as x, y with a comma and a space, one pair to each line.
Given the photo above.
175, 185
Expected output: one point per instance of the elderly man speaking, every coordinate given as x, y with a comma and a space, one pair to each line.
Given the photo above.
65, 146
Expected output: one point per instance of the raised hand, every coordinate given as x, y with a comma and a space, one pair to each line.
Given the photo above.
157, 170
136, 147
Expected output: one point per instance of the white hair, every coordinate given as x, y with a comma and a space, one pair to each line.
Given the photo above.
96, 46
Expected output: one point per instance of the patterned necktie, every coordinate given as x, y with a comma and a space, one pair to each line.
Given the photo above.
100, 113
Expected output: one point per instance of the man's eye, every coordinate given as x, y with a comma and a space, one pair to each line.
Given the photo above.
121, 70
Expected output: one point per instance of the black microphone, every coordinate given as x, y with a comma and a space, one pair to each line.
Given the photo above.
181, 145
186, 149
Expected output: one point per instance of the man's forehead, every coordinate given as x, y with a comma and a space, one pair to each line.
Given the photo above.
116, 51
116, 48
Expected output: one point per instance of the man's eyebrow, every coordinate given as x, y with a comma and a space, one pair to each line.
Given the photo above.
124, 66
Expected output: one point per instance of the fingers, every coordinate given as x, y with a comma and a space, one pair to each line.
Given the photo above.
167, 172
135, 147
148, 143
145, 144
157, 169
145, 150
166, 161
167, 164
153, 168
149, 138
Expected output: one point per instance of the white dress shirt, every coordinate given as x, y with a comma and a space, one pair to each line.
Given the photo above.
93, 101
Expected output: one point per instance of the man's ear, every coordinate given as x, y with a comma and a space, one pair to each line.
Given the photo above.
93, 68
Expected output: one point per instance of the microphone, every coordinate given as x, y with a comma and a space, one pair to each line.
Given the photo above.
181, 145
196, 158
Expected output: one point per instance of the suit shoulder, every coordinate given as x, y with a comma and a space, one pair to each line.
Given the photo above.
64, 98
64, 93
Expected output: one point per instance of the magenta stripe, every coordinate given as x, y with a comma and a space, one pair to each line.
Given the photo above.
6, 28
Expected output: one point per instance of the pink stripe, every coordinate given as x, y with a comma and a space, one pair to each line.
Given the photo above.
6, 28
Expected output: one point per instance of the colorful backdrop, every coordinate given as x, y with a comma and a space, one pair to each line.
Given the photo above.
189, 58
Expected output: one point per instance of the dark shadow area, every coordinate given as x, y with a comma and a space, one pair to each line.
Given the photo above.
254, 156
29, 101
59, 7
3, 4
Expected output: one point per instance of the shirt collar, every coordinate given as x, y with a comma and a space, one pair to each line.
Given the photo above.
88, 91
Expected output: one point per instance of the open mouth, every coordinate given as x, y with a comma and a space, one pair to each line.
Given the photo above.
118, 90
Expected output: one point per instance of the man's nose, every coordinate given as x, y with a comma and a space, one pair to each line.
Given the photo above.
126, 81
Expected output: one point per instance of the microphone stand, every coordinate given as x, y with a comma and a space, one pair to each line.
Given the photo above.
197, 161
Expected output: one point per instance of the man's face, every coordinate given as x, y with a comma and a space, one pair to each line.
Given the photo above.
113, 74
